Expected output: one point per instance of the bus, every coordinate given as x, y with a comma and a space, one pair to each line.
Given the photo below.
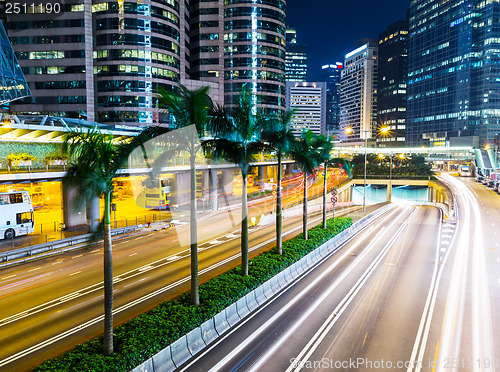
464, 171
16, 213
156, 196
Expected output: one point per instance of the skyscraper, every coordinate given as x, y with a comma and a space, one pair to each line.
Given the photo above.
296, 57
107, 60
358, 97
331, 75
453, 84
392, 81
308, 99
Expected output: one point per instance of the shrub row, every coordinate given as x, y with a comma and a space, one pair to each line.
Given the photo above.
148, 333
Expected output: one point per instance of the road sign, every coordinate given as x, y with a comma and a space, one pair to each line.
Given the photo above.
334, 199
334, 192
274, 187
274, 193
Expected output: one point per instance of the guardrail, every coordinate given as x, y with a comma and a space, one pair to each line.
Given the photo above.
56, 246
179, 352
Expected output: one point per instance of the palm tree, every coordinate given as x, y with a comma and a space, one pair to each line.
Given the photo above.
305, 153
278, 135
236, 137
94, 161
190, 107
324, 147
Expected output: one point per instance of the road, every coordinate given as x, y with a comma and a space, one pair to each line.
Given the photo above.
409, 293
48, 306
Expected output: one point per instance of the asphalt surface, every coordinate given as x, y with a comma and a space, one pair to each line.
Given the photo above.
413, 292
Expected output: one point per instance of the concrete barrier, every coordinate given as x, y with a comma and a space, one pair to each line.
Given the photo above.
162, 361
251, 300
180, 351
147, 366
232, 315
195, 342
268, 290
242, 308
280, 278
208, 332
294, 274
260, 297
221, 324
275, 283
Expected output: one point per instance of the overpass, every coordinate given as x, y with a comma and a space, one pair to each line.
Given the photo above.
431, 154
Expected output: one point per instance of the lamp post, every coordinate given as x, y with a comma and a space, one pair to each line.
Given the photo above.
349, 131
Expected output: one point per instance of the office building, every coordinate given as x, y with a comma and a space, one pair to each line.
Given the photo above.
296, 57
309, 102
358, 96
392, 82
331, 75
453, 84
13, 84
106, 61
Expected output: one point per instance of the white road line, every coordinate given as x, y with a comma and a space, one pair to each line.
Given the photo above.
8, 277
36, 268
78, 272
133, 254
80, 255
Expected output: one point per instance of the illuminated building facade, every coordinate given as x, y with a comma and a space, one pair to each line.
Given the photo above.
296, 57
358, 96
392, 83
309, 102
106, 61
331, 75
453, 81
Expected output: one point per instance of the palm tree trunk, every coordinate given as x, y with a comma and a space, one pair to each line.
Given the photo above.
324, 195
304, 218
279, 218
108, 279
195, 298
244, 227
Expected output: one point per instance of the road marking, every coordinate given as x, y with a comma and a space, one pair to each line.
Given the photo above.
443, 249
447, 236
173, 258
36, 268
58, 262
94, 251
78, 272
8, 277
445, 242
80, 255
145, 268
215, 242
133, 254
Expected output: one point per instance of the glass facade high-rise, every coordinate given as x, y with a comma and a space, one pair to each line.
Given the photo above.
13, 84
392, 82
453, 81
254, 51
331, 75
308, 100
358, 96
296, 57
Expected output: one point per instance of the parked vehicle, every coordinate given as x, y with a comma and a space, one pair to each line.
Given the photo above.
16, 210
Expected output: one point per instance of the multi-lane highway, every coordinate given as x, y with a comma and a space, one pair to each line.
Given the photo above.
410, 293
50, 305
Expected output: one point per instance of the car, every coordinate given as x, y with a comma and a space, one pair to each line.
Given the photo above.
479, 178
496, 186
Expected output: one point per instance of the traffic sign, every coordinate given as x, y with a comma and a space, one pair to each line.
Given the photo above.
274, 187
334, 199
334, 192
274, 193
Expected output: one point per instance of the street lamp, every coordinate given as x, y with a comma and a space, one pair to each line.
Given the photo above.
348, 131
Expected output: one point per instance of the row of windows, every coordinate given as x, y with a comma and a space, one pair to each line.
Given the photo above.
261, 25
248, 74
141, 9
275, 3
47, 39
62, 100
250, 49
239, 37
67, 84
255, 12
124, 101
261, 87
136, 55
137, 25
26, 25
136, 40
257, 62
53, 70
140, 71
52, 54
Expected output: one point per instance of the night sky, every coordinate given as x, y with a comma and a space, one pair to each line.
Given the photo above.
330, 28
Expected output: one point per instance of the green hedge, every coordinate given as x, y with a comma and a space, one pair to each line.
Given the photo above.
148, 333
